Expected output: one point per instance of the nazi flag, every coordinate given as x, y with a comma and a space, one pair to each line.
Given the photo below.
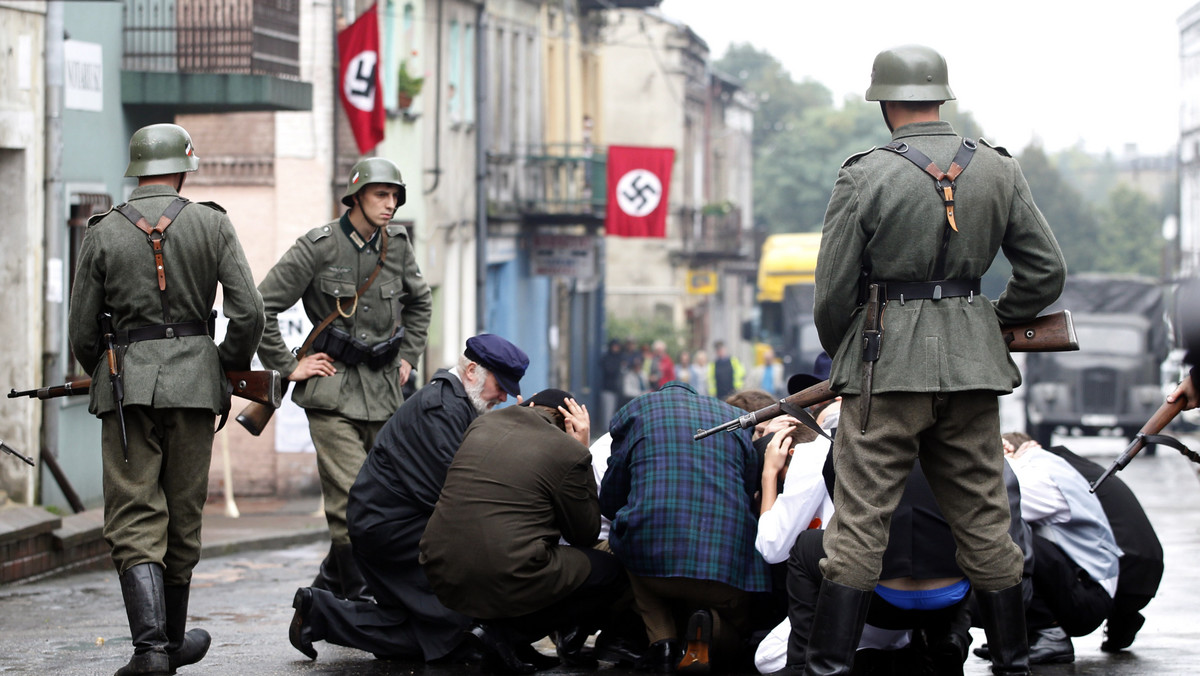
360, 91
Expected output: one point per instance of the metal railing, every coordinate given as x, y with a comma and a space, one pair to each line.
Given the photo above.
253, 37
557, 179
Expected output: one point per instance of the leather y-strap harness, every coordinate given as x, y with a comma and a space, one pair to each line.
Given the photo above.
312, 336
155, 235
944, 181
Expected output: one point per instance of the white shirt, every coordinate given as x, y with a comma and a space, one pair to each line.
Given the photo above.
803, 504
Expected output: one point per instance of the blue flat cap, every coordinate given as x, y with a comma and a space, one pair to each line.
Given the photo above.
506, 361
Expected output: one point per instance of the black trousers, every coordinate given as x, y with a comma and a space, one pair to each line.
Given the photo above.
1063, 593
587, 606
804, 583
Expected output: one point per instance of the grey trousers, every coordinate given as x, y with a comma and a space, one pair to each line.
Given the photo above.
342, 445
153, 504
957, 437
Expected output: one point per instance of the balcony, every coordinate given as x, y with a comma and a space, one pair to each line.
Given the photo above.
715, 232
213, 56
549, 185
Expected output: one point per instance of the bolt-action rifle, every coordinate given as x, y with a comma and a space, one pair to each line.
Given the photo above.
261, 387
1149, 434
1049, 333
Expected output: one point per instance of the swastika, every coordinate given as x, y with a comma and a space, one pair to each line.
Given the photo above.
359, 81
639, 192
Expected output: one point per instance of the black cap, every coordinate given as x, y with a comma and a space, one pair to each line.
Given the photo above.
803, 381
551, 398
506, 361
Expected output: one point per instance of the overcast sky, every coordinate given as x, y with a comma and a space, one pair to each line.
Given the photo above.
1060, 71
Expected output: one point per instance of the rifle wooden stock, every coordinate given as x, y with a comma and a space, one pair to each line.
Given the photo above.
255, 416
810, 396
264, 388
1049, 333
1161, 418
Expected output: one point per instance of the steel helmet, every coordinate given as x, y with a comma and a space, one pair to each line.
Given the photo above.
161, 149
373, 170
909, 73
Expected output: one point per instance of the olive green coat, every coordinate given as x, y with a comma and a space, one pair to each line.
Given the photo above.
516, 485
885, 213
324, 267
117, 274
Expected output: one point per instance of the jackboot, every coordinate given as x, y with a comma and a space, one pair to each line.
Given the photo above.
1003, 616
354, 587
183, 647
837, 627
328, 577
142, 589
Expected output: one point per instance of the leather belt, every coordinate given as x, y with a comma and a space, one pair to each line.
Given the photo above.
159, 331
946, 288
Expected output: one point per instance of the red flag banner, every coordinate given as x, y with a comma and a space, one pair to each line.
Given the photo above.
360, 91
638, 182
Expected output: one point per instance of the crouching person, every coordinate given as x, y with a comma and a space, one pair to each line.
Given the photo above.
521, 480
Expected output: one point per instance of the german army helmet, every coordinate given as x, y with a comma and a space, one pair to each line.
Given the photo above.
373, 170
161, 149
909, 73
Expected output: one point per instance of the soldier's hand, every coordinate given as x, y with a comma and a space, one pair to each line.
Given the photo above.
405, 371
1187, 390
576, 421
317, 364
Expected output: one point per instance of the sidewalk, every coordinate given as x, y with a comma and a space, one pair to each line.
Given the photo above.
36, 543
264, 523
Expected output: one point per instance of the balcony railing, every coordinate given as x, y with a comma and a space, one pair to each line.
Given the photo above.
715, 231
253, 37
550, 182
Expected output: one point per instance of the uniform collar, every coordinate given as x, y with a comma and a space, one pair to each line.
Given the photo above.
933, 128
356, 239
154, 190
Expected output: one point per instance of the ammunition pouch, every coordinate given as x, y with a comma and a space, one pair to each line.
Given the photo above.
343, 347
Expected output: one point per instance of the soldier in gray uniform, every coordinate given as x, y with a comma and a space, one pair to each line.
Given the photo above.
924, 237
157, 291
361, 273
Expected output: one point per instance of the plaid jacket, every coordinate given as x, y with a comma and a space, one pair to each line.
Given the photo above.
683, 508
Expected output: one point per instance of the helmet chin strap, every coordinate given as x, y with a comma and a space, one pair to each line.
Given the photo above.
883, 109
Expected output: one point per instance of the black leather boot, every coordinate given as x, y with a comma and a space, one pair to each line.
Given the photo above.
837, 627
1003, 616
183, 647
328, 577
142, 589
354, 587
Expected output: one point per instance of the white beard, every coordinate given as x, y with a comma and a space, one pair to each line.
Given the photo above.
475, 395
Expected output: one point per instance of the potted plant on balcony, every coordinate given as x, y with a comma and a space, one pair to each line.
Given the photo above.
407, 86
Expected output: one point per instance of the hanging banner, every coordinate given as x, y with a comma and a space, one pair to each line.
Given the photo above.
361, 91
638, 181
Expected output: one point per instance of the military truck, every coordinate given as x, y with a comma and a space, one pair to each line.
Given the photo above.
1112, 385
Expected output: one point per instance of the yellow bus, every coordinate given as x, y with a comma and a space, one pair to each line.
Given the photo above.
786, 269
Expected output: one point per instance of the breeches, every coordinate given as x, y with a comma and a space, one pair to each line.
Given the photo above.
957, 437
342, 445
154, 503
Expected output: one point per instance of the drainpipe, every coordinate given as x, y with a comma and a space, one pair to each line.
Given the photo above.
55, 230
482, 129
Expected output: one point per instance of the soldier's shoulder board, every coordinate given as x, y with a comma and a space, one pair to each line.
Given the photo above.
96, 218
1000, 149
320, 232
214, 206
858, 156
396, 229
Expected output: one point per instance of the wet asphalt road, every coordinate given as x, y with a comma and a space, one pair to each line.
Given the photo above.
75, 624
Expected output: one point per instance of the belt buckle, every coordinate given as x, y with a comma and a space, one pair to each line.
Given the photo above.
170, 332
937, 291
